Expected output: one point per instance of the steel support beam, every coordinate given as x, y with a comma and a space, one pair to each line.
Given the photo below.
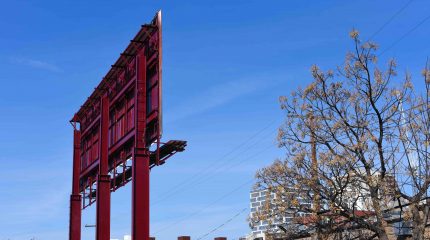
103, 180
141, 158
75, 197
140, 195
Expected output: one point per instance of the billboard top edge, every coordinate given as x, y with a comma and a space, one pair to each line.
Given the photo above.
135, 45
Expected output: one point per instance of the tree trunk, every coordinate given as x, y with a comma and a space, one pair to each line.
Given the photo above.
380, 222
418, 225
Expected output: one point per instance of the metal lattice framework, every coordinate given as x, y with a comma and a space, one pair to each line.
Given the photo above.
113, 132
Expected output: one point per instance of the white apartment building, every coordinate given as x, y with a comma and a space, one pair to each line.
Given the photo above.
258, 199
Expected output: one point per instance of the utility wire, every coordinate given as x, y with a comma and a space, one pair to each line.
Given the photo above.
405, 35
387, 23
390, 20
208, 169
207, 206
224, 196
222, 225
201, 179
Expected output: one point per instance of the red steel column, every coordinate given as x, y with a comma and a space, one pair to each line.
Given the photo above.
75, 197
140, 182
140, 196
103, 180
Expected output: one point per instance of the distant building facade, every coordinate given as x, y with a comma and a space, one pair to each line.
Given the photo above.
258, 200
356, 195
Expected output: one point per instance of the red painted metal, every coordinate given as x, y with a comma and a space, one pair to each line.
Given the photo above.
140, 195
75, 197
140, 187
103, 180
114, 129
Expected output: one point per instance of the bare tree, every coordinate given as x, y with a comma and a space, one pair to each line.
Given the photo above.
413, 167
348, 138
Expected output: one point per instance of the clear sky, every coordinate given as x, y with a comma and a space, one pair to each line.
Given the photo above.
225, 65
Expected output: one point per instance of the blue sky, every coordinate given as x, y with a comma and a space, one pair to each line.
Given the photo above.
225, 65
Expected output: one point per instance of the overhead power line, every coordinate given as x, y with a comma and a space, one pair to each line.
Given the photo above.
222, 225
213, 167
386, 23
406, 34
390, 19
206, 207
214, 171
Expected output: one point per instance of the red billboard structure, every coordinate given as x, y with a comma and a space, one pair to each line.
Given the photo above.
117, 134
